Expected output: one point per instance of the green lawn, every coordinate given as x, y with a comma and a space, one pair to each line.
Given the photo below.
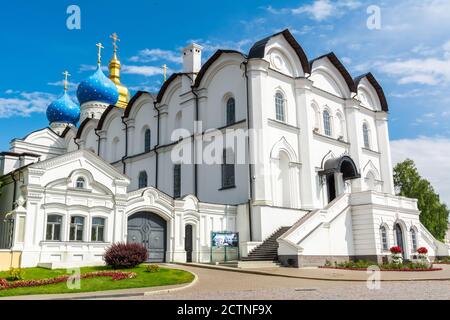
163, 277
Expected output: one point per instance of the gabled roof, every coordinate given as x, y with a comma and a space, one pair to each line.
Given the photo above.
165, 85
369, 76
82, 125
133, 100
259, 48
210, 62
105, 114
340, 67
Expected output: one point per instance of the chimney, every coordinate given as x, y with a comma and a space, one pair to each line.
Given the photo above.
192, 58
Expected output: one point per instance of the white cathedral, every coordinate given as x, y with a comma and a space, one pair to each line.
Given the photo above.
316, 183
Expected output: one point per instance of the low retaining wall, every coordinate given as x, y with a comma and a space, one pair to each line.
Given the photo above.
9, 259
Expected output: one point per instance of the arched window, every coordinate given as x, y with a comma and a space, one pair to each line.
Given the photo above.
177, 181
98, 229
384, 238
326, 123
366, 136
81, 183
279, 107
231, 111
54, 223
147, 140
143, 180
76, 228
228, 170
413, 239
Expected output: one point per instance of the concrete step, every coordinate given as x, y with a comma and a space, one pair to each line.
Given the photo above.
257, 264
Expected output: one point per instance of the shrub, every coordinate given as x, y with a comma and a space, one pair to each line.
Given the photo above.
422, 250
396, 249
125, 255
16, 274
152, 268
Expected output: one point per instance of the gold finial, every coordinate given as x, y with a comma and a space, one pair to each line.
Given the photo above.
66, 80
100, 47
114, 75
116, 39
165, 72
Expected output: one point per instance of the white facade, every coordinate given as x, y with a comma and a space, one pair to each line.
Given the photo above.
317, 161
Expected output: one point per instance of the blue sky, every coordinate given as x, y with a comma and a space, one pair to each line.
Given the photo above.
409, 55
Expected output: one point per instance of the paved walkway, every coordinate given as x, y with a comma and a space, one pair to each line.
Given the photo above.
225, 284
341, 275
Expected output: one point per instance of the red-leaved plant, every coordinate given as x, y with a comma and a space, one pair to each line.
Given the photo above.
395, 250
422, 250
125, 255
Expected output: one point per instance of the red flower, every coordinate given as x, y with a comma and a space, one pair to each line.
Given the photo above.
396, 249
422, 250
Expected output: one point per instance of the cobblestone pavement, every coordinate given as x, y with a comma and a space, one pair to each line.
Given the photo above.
218, 284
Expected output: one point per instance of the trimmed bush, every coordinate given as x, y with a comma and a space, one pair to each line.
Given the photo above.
125, 255
152, 268
16, 274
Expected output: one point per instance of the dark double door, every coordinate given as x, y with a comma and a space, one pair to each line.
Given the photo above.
150, 230
188, 242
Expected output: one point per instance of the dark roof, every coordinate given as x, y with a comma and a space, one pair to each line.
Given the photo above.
259, 48
336, 165
66, 131
133, 100
105, 114
377, 87
15, 154
209, 63
340, 67
82, 125
165, 85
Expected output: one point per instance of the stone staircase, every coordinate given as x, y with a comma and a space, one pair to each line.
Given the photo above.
268, 250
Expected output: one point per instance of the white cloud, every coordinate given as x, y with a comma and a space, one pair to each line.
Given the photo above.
431, 157
319, 10
71, 85
147, 71
24, 104
151, 55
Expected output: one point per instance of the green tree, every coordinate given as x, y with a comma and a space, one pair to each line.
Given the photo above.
409, 183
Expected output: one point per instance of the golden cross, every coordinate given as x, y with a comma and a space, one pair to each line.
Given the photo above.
165, 72
116, 39
100, 47
66, 78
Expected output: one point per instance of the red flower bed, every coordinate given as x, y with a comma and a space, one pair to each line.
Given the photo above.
396, 249
365, 269
422, 250
115, 275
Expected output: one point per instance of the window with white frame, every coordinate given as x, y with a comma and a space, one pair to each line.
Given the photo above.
54, 223
366, 136
327, 123
280, 107
76, 228
384, 238
98, 230
80, 183
413, 239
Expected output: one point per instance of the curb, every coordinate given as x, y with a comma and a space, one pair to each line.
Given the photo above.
192, 283
263, 273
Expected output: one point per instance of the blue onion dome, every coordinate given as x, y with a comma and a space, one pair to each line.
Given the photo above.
63, 110
98, 87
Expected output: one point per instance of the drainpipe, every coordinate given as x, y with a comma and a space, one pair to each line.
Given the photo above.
157, 144
195, 145
126, 146
13, 176
250, 170
98, 142
77, 143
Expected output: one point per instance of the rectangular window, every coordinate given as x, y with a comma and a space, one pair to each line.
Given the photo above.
98, 230
53, 228
228, 170
177, 181
76, 228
